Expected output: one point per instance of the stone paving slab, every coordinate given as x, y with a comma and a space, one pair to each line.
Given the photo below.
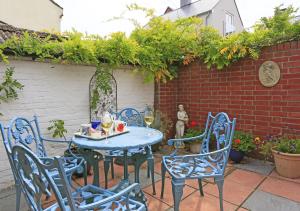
144, 180
260, 200
258, 166
8, 201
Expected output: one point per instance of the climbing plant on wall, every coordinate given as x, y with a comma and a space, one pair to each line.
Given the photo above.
157, 50
9, 86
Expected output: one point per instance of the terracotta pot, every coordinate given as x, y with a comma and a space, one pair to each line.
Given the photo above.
195, 148
287, 165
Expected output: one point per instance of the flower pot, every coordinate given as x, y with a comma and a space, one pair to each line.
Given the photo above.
195, 148
287, 165
236, 156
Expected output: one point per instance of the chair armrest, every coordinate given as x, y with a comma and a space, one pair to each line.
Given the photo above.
213, 159
173, 141
206, 154
125, 192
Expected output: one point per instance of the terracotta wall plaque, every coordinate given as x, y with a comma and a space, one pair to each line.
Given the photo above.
269, 74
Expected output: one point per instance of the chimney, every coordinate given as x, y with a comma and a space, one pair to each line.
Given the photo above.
185, 2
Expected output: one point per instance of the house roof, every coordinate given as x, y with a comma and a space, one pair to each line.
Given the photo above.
7, 31
169, 9
56, 4
193, 9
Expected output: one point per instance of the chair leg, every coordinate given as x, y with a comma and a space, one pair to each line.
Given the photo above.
177, 190
18, 197
163, 176
137, 172
148, 170
106, 169
112, 168
151, 168
85, 173
220, 182
200, 187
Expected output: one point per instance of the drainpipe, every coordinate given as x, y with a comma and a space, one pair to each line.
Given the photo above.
206, 17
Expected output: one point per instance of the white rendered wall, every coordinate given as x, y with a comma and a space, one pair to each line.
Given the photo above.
54, 91
39, 15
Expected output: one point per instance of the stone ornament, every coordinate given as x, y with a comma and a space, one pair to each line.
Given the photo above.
182, 120
269, 74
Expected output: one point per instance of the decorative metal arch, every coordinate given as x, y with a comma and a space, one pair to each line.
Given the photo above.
107, 101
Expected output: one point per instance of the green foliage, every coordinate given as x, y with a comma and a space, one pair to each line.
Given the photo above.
283, 144
162, 123
57, 127
165, 44
160, 48
243, 142
9, 86
289, 146
192, 132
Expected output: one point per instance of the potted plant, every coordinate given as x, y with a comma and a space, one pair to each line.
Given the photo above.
242, 143
162, 123
192, 131
286, 154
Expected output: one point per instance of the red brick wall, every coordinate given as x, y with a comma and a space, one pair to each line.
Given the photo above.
238, 91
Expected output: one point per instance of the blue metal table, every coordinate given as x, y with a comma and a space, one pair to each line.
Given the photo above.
136, 137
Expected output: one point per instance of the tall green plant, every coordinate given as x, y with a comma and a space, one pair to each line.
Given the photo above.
102, 85
9, 87
160, 48
57, 128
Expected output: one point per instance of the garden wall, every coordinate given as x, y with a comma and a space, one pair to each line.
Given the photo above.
54, 91
238, 91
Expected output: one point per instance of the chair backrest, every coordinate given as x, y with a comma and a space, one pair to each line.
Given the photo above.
132, 116
35, 179
23, 131
219, 131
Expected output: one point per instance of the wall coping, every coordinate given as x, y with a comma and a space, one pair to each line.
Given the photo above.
48, 61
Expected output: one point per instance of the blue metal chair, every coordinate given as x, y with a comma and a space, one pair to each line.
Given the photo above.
36, 182
137, 156
27, 133
206, 164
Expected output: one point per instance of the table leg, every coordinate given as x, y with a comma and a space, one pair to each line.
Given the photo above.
139, 195
125, 164
92, 157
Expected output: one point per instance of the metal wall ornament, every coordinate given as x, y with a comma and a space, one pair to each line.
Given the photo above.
107, 98
269, 74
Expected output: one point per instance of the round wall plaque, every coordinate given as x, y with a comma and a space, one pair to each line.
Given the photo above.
269, 74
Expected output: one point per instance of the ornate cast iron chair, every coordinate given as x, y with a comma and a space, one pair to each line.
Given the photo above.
137, 156
207, 164
27, 133
36, 182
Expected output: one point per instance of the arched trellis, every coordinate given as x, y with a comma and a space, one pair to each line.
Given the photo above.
107, 100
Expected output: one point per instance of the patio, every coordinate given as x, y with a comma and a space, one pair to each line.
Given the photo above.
82, 90
253, 185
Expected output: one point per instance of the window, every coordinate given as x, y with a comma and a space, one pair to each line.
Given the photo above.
229, 23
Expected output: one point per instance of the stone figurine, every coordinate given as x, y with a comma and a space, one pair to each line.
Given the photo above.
181, 122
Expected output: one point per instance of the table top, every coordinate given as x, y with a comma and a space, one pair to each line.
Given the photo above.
137, 137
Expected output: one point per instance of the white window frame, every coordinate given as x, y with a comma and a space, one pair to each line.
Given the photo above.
228, 14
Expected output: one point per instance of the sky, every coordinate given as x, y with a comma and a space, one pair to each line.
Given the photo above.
94, 16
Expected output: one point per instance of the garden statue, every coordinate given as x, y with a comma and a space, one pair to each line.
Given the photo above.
181, 122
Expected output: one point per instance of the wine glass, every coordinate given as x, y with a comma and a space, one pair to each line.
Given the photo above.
106, 123
148, 116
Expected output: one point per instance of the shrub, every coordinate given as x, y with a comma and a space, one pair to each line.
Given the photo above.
243, 142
